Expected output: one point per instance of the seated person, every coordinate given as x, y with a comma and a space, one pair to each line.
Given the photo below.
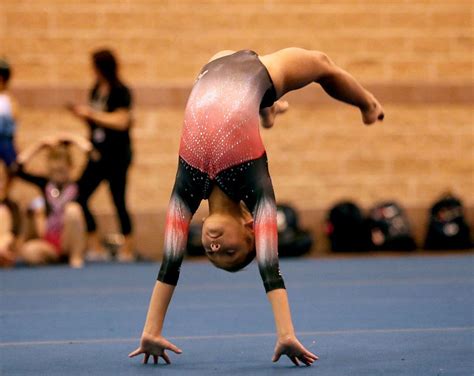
222, 159
60, 226
9, 221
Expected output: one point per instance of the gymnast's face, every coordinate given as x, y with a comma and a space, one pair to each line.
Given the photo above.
59, 170
228, 241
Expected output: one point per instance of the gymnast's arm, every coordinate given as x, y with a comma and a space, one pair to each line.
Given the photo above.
294, 68
266, 244
267, 258
178, 217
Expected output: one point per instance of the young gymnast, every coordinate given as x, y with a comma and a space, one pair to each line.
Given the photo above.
61, 227
222, 159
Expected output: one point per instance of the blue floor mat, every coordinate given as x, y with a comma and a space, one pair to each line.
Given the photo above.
363, 316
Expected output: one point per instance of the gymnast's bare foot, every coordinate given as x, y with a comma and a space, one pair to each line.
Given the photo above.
373, 111
268, 115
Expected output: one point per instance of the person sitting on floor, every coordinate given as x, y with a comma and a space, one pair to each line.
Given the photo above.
9, 221
60, 226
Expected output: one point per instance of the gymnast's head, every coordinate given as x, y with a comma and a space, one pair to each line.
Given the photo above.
105, 67
59, 160
228, 239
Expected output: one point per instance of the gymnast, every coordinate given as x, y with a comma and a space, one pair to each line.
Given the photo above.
61, 226
222, 159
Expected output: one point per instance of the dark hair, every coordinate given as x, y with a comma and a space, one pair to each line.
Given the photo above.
237, 267
5, 70
106, 63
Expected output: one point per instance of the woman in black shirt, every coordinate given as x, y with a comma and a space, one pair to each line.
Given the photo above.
109, 118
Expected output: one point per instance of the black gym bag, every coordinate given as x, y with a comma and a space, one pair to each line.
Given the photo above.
389, 228
447, 228
347, 228
292, 240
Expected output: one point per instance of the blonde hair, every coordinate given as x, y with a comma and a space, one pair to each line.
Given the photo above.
60, 153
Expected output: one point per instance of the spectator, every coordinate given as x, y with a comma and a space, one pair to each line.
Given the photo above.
109, 119
9, 221
60, 226
8, 117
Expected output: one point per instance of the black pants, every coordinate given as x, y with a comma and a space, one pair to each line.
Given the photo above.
115, 173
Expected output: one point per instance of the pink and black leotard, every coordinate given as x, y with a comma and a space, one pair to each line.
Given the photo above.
221, 145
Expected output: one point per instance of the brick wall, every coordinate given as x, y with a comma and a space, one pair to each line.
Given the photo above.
317, 156
319, 153
168, 40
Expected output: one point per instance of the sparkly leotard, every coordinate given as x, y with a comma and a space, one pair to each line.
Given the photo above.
56, 199
221, 145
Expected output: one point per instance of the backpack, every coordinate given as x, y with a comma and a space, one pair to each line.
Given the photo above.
346, 228
292, 240
447, 228
390, 229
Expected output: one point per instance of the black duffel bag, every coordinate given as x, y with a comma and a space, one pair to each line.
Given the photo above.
447, 228
389, 228
292, 239
347, 228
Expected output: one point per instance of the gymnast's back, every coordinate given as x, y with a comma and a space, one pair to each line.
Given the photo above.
221, 122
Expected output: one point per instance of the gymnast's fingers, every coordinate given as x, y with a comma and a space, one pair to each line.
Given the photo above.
276, 356
311, 355
136, 352
166, 358
306, 360
173, 348
294, 360
145, 358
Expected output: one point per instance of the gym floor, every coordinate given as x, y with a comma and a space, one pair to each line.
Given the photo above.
362, 316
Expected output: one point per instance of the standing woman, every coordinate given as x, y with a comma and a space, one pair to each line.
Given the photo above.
109, 118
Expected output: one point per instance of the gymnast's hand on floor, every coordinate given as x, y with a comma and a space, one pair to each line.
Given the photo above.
293, 349
155, 346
